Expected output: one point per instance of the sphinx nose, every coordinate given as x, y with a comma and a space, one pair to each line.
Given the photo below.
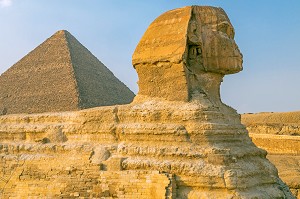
237, 52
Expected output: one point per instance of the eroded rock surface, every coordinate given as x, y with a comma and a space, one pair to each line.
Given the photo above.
176, 140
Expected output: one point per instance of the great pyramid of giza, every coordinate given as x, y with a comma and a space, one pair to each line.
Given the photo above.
59, 75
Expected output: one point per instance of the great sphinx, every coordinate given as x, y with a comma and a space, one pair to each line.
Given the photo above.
177, 131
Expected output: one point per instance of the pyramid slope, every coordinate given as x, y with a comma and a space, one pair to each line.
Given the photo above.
45, 80
97, 85
41, 81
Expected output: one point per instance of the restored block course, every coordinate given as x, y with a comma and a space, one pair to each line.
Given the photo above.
68, 173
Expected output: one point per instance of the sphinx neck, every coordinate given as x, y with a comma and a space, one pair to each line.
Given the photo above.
207, 84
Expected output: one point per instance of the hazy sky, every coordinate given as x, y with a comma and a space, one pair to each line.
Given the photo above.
267, 32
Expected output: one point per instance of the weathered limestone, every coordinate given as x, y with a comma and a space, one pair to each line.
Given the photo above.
59, 75
175, 140
207, 158
278, 133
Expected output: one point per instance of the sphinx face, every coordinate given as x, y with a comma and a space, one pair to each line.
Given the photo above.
211, 42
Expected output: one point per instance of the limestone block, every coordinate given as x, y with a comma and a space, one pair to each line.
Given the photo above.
113, 164
56, 135
99, 155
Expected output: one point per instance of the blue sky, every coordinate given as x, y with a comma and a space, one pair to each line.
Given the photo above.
267, 32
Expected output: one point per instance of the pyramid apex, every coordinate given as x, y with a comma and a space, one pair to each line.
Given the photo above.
62, 32
62, 35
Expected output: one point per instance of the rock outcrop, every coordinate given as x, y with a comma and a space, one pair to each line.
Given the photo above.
59, 75
279, 134
175, 140
286, 123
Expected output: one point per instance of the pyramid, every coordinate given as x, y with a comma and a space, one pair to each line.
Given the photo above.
60, 75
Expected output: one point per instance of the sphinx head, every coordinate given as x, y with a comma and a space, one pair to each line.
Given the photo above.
185, 53
210, 42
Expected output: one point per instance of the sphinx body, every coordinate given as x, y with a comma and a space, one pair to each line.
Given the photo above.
181, 60
176, 126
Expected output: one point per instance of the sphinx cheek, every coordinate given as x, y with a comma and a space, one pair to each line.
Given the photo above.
211, 52
227, 57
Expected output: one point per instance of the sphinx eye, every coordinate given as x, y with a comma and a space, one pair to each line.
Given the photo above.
223, 27
226, 29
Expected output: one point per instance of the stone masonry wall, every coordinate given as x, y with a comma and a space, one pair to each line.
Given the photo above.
65, 171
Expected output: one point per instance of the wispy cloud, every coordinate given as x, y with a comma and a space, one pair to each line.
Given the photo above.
5, 3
